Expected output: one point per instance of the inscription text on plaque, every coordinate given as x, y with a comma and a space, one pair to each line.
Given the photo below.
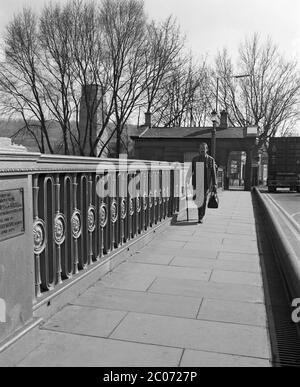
11, 213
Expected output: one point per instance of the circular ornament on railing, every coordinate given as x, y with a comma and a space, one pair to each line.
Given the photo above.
76, 224
103, 215
145, 204
91, 219
39, 236
138, 204
131, 207
59, 229
123, 208
114, 211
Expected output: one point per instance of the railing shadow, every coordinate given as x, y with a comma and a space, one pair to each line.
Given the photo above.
176, 222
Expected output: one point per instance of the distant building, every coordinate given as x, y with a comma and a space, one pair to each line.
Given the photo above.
182, 144
6, 144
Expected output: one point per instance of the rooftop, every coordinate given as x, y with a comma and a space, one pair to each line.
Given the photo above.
181, 132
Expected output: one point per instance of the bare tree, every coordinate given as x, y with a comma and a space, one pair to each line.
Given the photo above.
184, 99
124, 25
21, 94
90, 66
103, 55
49, 61
268, 96
164, 47
56, 75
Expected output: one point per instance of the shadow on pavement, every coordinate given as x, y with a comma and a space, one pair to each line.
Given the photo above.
176, 222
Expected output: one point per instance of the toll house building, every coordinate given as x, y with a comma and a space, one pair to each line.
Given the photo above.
234, 148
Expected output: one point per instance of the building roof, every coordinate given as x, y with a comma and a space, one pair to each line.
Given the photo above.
189, 133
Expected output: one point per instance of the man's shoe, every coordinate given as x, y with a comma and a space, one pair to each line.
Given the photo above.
200, 220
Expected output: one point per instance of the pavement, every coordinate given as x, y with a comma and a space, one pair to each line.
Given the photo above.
193, 297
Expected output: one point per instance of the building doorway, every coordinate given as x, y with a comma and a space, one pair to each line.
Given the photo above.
236, 168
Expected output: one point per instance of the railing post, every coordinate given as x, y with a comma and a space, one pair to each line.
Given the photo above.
102, 216
39, 237
123, 208
58, 246
90, 219
75, 241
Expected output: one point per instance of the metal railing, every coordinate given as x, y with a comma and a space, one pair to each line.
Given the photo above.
85, 208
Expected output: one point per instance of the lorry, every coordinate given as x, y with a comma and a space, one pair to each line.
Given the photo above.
284, 163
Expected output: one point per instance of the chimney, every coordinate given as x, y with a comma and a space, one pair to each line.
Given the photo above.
223, 120
148, 119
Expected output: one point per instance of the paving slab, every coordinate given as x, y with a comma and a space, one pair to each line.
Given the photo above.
211, 336
235, 277
246, 219
242, 225
152, 258
204, 243
174, 230
85, 320
129, 281
192, 358
136, 268
199, 252
67, 350
209, 223
187, 252
239, 231
246, 313
163, 246
239, 248
212, 228
194, 238
159, 249
119, 299
238, 256
221, 264
203, 289
245, 240
210, 235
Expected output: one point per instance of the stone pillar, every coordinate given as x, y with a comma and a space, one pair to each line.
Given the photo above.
90, 120
16, 251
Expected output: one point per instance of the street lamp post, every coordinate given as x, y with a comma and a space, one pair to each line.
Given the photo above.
214, 116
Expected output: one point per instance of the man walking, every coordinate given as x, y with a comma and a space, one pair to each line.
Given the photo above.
204, 179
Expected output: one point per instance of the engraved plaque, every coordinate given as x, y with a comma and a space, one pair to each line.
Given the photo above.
11, 213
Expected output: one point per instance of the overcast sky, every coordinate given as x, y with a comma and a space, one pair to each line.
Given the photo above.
211, 25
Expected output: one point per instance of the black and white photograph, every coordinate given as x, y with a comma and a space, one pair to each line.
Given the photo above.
150, 186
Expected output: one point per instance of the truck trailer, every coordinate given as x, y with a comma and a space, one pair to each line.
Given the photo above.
284, 163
